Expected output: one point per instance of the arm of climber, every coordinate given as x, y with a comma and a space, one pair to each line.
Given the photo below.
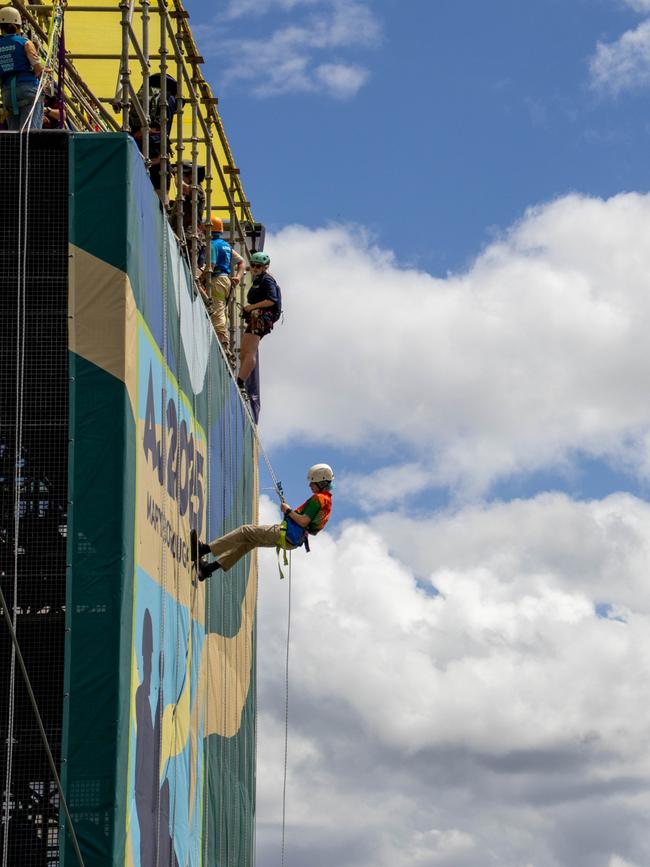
259, 306
32, 56
308, 513
241, 267
301, 520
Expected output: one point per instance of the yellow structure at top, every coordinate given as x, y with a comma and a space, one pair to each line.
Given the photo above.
110, 45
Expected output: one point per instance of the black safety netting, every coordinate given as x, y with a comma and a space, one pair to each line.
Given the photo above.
33, 484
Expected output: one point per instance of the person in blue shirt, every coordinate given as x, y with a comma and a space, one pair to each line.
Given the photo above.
20, 69
221, 281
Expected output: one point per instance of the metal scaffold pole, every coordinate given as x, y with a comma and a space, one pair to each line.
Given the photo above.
145, 82
180, 145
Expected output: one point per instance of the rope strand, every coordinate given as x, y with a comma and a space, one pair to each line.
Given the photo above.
286, 719
11, 621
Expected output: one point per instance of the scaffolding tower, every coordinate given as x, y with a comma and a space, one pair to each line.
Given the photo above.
111, 54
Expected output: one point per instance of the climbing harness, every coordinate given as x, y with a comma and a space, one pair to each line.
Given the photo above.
291, 533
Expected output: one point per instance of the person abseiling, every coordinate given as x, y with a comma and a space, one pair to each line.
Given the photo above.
260, 314
20, 69
308, 519
221, 280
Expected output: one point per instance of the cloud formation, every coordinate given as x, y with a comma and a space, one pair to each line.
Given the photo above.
625, 63
315, 51
536, 354
468, 686
501, 722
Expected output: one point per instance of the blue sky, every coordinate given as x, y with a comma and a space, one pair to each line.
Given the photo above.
468, 114
471, 112
457, 199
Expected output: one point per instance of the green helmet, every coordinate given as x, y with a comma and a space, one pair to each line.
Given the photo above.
260, 259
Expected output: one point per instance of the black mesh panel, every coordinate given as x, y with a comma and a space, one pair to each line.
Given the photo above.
35, 203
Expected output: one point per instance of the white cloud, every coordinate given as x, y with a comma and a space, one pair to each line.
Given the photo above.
241, 8
502, 723
303, 55
625, 63
340, 79
385, 486
537, 352
638, 5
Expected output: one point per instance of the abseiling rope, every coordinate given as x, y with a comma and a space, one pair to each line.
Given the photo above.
286, 718
246, 408
280, 493
226, 449
176, 569
163, 558
222, 626
207, 598
18, 448
54, 35
11, 622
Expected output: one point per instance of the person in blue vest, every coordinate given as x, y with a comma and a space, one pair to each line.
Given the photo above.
20, 69
260, 314
298, 524
222, 280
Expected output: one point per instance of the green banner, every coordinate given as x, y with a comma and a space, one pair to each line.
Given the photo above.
158, 741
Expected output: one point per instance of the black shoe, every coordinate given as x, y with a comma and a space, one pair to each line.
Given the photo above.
197, 548
206, 569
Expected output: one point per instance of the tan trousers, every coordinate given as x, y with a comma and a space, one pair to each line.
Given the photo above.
219, 291
229, 549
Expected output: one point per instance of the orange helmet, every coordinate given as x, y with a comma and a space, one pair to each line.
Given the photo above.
217, 224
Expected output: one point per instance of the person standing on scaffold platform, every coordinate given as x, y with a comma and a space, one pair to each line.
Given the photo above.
221, 281
20, 70
307, 520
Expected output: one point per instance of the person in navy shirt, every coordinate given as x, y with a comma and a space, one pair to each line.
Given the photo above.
20, 69
260, 314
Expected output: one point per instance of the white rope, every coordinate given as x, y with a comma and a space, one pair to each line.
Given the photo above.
21, 320
195, 435
18, 447
251, 755
224, 707
227, 435
286, 718
46, 75
163, 558
244, 403
208, 600
23, 191
176, 567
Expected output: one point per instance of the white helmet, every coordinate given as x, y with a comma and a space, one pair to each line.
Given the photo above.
9, 15
320, 473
